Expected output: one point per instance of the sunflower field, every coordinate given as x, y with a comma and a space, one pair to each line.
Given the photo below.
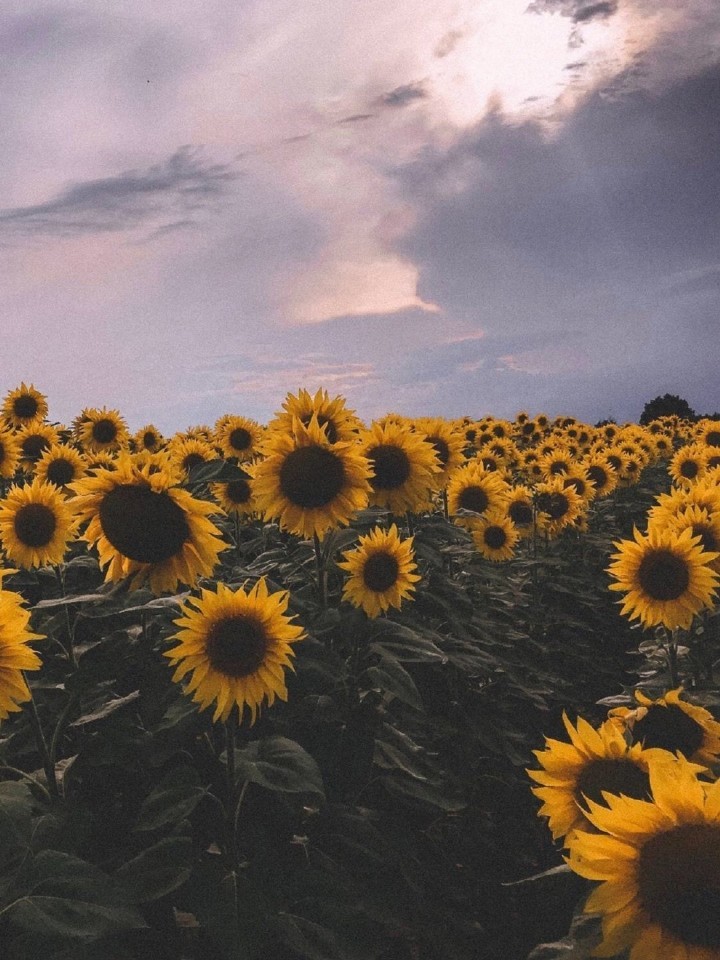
318, 689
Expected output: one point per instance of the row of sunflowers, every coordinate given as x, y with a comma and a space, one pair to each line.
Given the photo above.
401, 594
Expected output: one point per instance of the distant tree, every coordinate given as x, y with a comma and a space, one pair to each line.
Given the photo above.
604, 423
667, 406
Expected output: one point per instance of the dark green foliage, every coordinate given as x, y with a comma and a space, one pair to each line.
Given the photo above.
668, 405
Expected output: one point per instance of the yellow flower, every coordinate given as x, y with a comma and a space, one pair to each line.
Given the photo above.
308, 483
404, 467
495, 536
474, 488
659, 864
9, 453
36, 524
238, 437
24, 405
148, 438
333, 417
382, 571
16, 656
666, 576
144, 527
235, 496
60, 465
102, 430
236, 646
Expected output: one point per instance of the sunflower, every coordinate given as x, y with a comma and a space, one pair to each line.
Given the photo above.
33, 440
670, 723
557, 506
474, 488
36, 524
520, 510
601, 474
704, 494
709, 433
148, 438
308, 483
235, 645
448, 443
24, 405
9, 453
60, 465
382, 571
666, 576
102, 430
579, 479
15, 654
495, 536
557, 462
186, 454
704, 524
595, 761
659, 864
337, 422
238, 436
235, 496
404, 468
688, 464
145, 527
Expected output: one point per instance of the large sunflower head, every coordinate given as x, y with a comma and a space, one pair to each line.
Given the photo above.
666, 576
309, 484
236, 646
24, 405
332, 416
16, 656
688, 464
404, 467
495, 536
9, 453
659, 867
448, 442
144, 527
594, 763
36, 524
673, 724
382, 571
238, 437
101, 430
61, 465
474, 488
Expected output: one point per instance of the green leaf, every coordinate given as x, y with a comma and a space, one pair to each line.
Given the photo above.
392, 678
279, 764
156, 871
168, 806
216, 470
307, 938
110, 707
392, 639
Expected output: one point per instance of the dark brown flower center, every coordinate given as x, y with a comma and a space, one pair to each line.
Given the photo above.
520, 513
617, 776
35, 525
669, 728
689, 469
150, 440
474, 498
192, 460
34, 446
236, 645
615, 461
577, 483
380, 571
60, 472
143, 525
323, 421
25, 406
238, 491
598, 476
311, 477
495, 537
679, 882
391, 466
708, 540
498, 430
559, 466
104, 431
663, 575
712, 439
441, 449
240, 439
555, 504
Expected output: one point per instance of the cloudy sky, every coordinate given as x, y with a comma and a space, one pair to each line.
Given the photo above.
439, 207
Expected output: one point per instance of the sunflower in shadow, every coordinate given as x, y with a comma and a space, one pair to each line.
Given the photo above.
666, 576
557, 506
60, 465
659, 867
148, 438
9, 453
36, 524
235, 496
309, 484
16, 654
594, 762
145, 528
186, 454
23, 406
382, 571
448, 442
236, 646
520, 509
673, 724
238, 437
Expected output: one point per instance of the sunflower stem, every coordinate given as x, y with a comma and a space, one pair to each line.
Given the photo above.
232, 812
320, 571
28, 777
236, 518
672, 658
41, 742
69, 648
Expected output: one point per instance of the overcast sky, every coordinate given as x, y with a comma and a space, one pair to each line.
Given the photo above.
439, 207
